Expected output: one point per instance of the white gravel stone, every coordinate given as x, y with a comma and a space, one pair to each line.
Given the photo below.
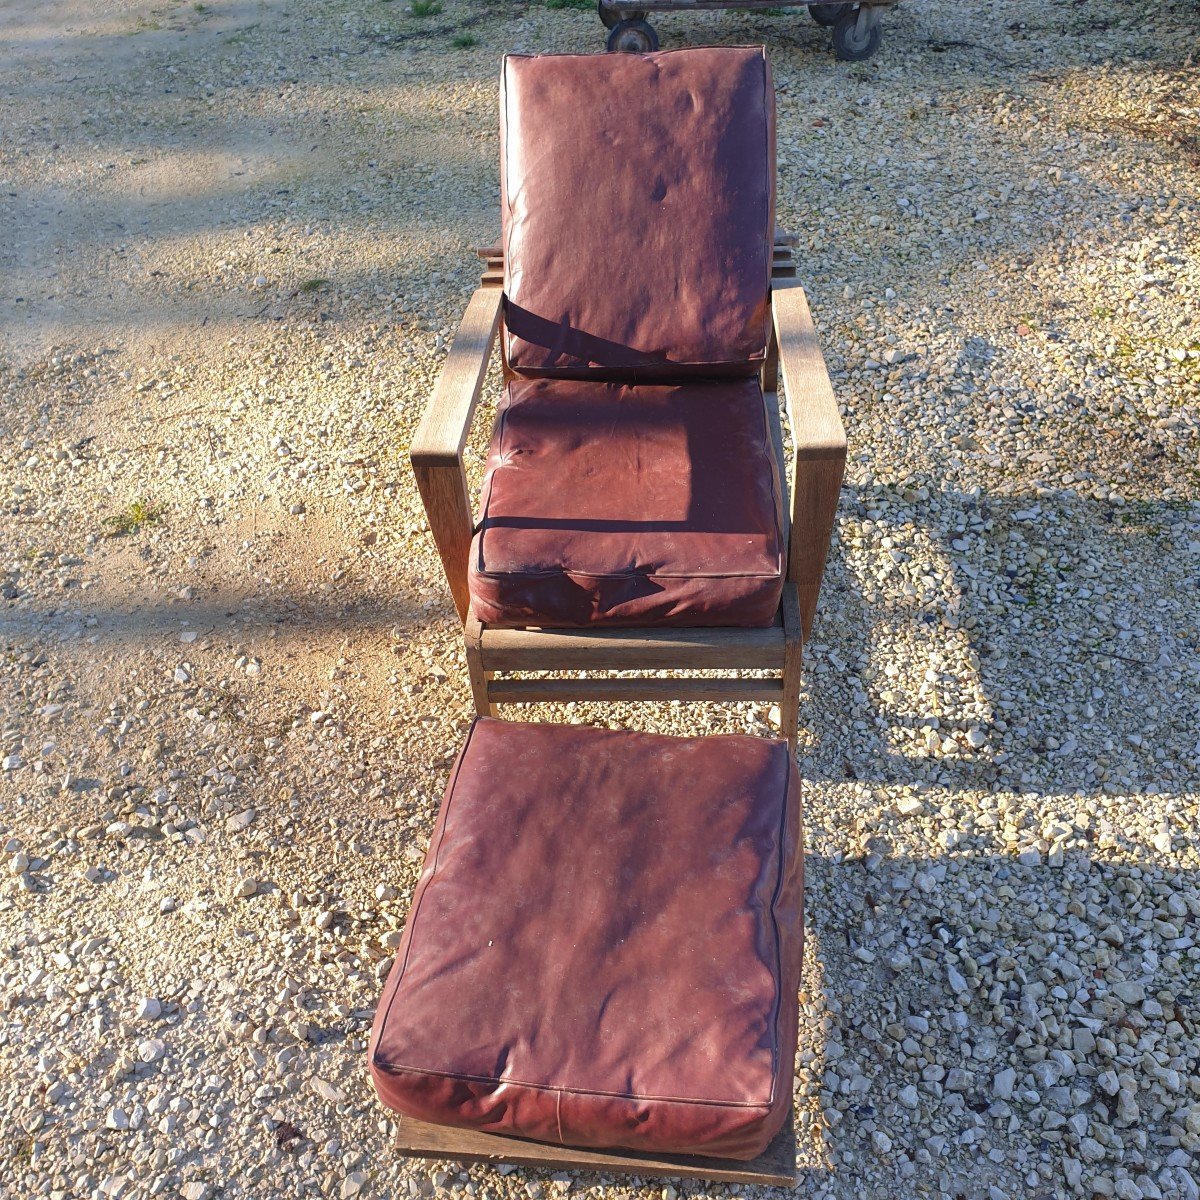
150, 1050
149, 1008
353, 1184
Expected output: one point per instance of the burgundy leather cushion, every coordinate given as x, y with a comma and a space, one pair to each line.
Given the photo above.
604, 946
638, 210
625, 504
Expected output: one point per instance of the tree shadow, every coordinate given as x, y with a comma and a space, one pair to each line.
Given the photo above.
1006, 643
1042, 1018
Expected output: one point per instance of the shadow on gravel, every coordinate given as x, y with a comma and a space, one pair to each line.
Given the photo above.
984, 1009
1060, 638
113, 625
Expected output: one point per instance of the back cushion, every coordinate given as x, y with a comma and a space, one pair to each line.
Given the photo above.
638, 197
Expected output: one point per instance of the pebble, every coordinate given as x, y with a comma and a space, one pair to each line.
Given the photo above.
353, 1184
240, 821
1003, 1083
150, 1050
326, 1090
149, 1008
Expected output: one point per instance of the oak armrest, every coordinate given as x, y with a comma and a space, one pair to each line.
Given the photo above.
443, 430
437, 447
816, 425
819, 441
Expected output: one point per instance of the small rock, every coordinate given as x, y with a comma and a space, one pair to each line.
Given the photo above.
353, 1184
326, 1090
1129, 991
150, 1050
149, 1009
1003, 1084
240, 821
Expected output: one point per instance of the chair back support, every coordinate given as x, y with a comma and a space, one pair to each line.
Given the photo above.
638, 196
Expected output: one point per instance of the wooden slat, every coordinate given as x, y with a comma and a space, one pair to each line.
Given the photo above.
540, 691
784, 241
783, 262
782, 268
775, 1167
632, 649
436, 451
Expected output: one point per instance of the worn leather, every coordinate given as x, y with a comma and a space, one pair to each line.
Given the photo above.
638, 212
622, 504
604, 945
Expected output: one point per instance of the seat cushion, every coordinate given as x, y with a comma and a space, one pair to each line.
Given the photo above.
638, 212
604, 945
629, 505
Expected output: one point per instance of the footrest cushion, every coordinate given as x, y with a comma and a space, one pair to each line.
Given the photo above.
604, 945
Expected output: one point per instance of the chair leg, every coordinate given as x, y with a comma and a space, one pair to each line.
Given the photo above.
473, 634
793, 656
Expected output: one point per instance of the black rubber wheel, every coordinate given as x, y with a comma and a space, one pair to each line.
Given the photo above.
633, 37
827, 14
851, 46
609, 17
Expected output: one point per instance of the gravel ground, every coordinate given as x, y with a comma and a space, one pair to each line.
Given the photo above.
236, 238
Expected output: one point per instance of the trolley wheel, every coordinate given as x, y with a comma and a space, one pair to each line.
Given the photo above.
852, 43
610, 16
633, 37
828, 14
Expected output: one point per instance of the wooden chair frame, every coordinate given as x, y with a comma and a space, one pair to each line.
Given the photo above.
811, 495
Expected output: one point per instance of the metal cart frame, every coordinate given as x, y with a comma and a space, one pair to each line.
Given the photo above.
857, 29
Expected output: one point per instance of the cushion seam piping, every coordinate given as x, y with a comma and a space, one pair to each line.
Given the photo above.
467, 1077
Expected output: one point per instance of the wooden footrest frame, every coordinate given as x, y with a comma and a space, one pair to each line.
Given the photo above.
602, 649
775, 1167
777, 648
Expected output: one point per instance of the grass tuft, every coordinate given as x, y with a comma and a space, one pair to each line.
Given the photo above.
133, 518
